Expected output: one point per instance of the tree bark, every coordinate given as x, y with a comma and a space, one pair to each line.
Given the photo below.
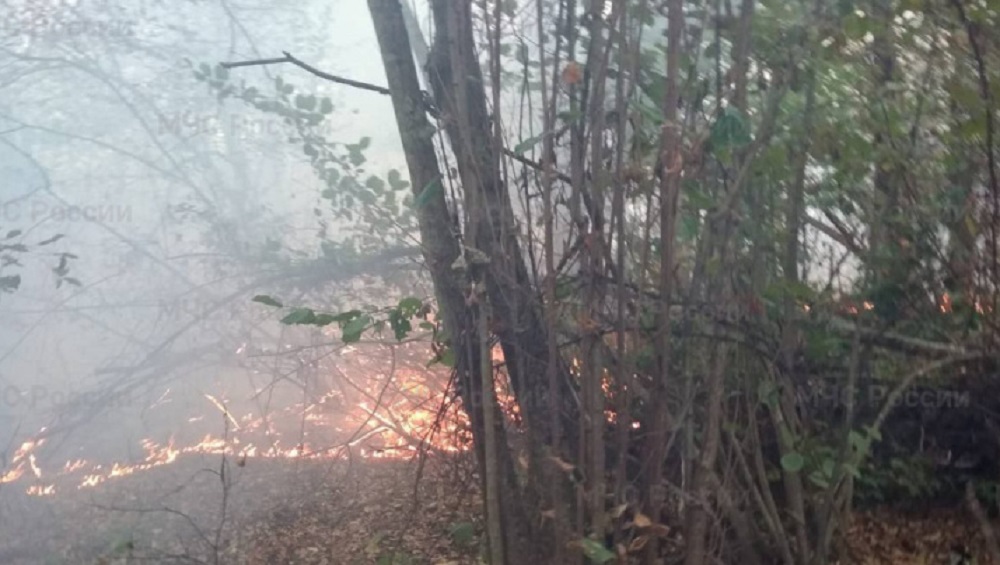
517, 319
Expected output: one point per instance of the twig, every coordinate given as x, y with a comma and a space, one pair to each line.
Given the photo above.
288, 58
899, 342
908, 380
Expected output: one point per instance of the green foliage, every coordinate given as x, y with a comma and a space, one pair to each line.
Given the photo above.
730, 131
525, 145
911, 477
792, 462
595, 551
354, 323
369, 203
267, 301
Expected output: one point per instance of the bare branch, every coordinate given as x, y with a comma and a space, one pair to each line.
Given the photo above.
288, 58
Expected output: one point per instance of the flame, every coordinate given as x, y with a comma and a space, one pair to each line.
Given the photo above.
945, 303
75, 465
40, 490
24, 457
372, 419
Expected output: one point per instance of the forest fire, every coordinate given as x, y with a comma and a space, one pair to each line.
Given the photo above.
376, 416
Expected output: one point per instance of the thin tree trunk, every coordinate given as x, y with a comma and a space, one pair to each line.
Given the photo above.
517, 320
669, 187
705, 468
438, 244
441, 250
491, 469
549, 106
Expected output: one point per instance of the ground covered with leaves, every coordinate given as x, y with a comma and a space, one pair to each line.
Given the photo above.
272, 511
343, 512
381, 513
888, 536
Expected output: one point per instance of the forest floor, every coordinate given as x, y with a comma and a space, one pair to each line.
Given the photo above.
337, 513
276, 512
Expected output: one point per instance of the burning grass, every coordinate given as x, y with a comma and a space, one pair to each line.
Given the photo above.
372, 401
254, 458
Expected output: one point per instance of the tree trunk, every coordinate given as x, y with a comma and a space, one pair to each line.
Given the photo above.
439, 245
672, 164
517, 320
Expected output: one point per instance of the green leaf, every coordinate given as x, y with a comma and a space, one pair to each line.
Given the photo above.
325, 106
522, 147
351, 332
819, 479
375, 183
307, 103
355, 152
729, 130
267, 300
596, 552
857, 441
400, 324
344, 317
396, 181
767, 392
792, 462
410, 305
828, 466
690, 227
299, 316
324, 319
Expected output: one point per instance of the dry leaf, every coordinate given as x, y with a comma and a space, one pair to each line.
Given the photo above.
659, 530
572, 74
637, 544
563, 466
642, 521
